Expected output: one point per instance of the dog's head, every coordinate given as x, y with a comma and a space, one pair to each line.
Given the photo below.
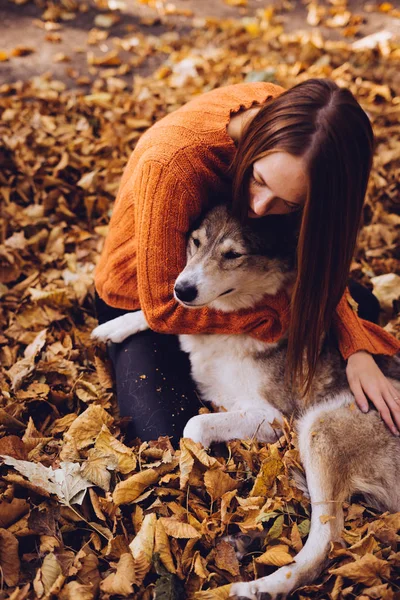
231, 266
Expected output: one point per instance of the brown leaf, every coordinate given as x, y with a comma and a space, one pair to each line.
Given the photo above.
143, 542
108, 444
10, 512
367, 570
225, 558
186, 462
218, 483
162, 547
177, 529
87, 426
49, 578
9, 559
11, 445
130, 489
121, 582
97, 468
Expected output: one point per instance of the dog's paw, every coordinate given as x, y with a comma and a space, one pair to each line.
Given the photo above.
196, 430
117, 330
243, 591
273, 587
249, 591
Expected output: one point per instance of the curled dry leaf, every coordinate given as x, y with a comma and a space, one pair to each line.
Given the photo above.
108, 444
130, 489
218, 483
162, 547
49, 578
142, 546
121, 582
97, 468
87, 426
177, 529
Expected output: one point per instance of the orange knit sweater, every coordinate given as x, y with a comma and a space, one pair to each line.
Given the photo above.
177, 170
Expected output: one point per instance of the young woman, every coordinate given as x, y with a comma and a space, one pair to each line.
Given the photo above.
267, 150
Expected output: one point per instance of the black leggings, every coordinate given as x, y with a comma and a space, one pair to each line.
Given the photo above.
153, 382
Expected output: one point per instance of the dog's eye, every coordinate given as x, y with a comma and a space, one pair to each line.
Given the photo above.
231, 254
196, 242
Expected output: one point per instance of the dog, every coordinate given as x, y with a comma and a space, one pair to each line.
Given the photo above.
343, 451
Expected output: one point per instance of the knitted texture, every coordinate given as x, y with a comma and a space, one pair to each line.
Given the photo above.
177, 170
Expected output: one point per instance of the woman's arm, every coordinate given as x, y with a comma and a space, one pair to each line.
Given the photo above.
358, 340
166, 205
354, 334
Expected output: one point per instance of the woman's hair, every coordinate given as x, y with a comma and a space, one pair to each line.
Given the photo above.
324, 124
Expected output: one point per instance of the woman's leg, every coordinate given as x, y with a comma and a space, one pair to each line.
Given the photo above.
368, 304
154, 385
153, 382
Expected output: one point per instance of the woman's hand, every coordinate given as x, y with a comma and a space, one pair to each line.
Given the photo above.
366, 380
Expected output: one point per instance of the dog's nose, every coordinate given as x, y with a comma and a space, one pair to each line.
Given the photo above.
185, 292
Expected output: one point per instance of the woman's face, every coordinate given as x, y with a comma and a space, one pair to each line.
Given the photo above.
278, 185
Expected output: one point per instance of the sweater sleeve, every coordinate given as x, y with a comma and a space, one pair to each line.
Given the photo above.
164, 212
354, 334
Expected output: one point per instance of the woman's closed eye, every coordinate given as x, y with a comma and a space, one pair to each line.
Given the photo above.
254, 180
291, 207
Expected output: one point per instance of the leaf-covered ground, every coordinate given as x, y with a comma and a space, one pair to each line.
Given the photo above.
85, 513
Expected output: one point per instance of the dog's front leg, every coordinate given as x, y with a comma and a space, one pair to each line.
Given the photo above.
117, 330
237, 424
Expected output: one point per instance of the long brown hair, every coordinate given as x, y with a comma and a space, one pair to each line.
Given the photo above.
324, 124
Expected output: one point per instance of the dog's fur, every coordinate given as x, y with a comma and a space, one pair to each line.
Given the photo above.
343, 450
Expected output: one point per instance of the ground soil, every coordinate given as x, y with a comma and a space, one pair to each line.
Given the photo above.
20, 25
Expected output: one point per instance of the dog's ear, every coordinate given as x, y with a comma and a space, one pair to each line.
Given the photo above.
207, 214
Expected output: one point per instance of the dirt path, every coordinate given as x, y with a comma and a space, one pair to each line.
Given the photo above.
63, 53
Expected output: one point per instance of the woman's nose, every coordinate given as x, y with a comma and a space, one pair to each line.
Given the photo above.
261, 204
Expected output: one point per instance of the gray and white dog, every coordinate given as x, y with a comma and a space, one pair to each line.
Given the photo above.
343, 451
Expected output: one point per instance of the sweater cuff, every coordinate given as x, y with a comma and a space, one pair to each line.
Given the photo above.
356, 334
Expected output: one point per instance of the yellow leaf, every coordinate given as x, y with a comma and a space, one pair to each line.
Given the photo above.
218, 483
162, 547
220, 593
276, 556
130, 489
199, 453
186, 462
177, 529
270, 468
121, 582
295, 538
108, 444
143, 543
87, 426
97, 468
325, 518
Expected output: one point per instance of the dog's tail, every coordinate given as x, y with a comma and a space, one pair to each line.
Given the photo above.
343, 451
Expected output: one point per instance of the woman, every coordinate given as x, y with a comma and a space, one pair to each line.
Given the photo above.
268, 150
